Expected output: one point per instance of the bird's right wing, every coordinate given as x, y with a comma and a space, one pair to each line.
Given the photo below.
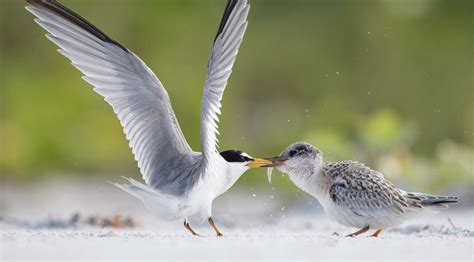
364, 191
126, 83
224, 52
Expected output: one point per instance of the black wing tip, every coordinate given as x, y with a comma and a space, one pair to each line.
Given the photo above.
228, 10
71, 16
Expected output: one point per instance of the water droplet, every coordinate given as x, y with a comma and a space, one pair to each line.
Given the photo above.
272, 196
283, 208
368, 93
306, 110
254, 195
337, 73
368, 33
310, 203
283, 216
288, 120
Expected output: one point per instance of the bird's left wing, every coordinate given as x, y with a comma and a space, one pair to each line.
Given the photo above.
224, 51
364, 191
127, 84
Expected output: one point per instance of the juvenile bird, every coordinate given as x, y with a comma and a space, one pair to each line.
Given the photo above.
350, 192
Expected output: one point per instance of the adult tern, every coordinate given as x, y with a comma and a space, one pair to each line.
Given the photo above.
180, 183
350, 192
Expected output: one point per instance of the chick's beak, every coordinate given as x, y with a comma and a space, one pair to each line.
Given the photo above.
259, 162
276, 161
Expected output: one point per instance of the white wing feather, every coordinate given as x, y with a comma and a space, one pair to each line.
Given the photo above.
128, 85
220, 64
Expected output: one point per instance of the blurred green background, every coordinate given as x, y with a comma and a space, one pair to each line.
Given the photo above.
389, 83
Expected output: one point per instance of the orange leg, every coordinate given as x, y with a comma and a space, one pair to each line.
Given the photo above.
363, 230
376, 233
211, 222
188, 227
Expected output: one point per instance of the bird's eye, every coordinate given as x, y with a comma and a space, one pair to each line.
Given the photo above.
293, 152
245, 159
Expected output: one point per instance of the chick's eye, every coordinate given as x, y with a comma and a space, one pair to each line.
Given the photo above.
293, 152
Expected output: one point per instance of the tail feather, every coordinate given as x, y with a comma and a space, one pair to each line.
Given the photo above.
427, 200
140, 190
135, 188
165, 206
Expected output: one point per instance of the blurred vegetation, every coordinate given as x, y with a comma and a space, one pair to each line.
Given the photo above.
386, 82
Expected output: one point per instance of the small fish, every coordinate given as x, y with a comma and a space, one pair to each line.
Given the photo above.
269, 174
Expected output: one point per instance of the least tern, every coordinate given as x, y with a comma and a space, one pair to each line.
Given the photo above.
350, 192
180, 183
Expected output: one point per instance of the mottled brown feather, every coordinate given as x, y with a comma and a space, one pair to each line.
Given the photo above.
365, 191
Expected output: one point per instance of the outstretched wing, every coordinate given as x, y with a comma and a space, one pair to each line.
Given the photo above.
222, 58
364, 191
126, 83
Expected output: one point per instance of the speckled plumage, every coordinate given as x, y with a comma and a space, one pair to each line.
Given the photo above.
366, 192
350, 192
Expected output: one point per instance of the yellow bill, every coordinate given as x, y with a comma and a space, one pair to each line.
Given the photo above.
258, 162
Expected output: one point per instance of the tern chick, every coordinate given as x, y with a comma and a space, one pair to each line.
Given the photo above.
180, 183
350, 192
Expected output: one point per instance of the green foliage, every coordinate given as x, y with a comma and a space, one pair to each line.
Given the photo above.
382, 82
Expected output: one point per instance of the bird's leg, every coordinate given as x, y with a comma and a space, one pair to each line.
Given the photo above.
211, 222
363, 230
188, 227
376, 233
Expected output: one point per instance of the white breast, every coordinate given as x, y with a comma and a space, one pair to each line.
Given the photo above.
318, 186
200, 197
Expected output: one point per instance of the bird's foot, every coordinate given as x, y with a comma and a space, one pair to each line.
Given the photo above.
188, 227
363, 230
211, 222
376, 233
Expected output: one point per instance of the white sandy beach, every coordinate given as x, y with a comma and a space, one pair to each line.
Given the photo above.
256, 225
